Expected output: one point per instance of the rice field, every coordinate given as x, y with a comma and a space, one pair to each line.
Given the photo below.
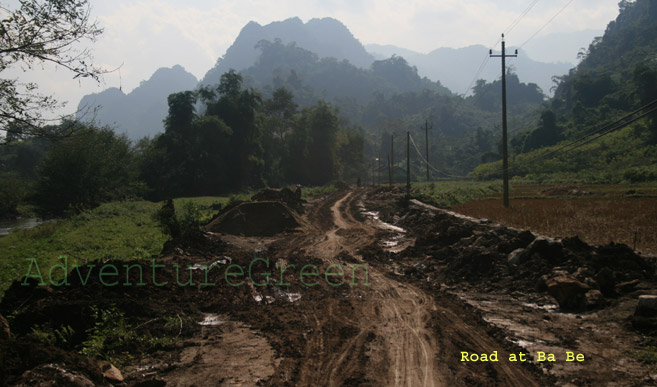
596, 214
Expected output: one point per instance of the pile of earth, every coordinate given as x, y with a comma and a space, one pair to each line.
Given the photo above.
284, 195
455, 249
261, 218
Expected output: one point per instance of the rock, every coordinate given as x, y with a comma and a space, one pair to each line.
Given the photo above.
151, 383
647, 306
594, 299
583, 272
549, 250
109, 371
606, 281
517, 257
541, 284
420, 266
627, 286
5, 332
568, 291
53, 375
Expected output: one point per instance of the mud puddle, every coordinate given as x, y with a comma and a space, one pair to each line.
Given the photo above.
396, 239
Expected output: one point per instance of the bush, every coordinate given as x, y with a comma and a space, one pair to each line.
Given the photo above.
12, 191
90, 167
191, 219
640, 174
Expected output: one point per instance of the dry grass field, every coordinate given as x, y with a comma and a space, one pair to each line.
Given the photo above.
596, 214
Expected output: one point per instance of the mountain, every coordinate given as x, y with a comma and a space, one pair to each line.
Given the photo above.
325, 37
140, 112
455, 67
310, 78
385, 51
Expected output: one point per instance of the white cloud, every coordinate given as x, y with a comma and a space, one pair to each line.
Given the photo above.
148, 34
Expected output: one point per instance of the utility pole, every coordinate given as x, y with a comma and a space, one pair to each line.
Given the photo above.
392, 156
378, 169
408, 164
389, 172
505, 154
426, 134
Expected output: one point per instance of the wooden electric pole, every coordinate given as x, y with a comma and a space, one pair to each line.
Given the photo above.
378, 169
389, 172
392, 156
505, 154
426, 135
408, 163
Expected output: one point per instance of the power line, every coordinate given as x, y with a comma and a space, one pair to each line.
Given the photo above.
604, 130
573, 143
417, 150
481, 67
548, 22
517, 20
622, 125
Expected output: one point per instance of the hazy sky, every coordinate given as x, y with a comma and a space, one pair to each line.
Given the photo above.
141, 36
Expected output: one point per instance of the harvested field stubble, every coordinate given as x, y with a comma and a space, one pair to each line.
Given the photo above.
597, 221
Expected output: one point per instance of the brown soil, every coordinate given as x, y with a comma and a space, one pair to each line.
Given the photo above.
439, 287
595, 220
261, 218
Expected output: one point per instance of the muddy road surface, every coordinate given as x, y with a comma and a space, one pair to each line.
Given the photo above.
370, 289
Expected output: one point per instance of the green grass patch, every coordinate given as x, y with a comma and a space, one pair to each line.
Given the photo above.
316, 191
449, 193
112, 231
646, 356
620, 157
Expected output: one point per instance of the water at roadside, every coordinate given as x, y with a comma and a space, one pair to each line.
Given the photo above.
8, 225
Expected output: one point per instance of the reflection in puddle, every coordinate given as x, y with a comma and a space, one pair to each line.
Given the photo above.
211, 320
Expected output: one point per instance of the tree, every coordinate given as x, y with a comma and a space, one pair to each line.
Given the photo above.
86, 169
39, 32
645, 79
238, 108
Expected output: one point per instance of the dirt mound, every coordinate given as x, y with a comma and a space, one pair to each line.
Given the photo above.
459, 249
262, 218
284, 195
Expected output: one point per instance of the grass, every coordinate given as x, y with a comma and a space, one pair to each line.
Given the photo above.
619, 213
112, 231
316, 191
449, 193
620, 157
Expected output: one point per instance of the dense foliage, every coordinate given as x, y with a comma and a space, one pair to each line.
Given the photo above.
617, 75
240, 141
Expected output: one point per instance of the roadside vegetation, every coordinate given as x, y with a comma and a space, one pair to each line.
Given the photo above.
448, 193
112, 231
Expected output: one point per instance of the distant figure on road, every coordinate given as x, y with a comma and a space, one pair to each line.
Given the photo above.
298, 191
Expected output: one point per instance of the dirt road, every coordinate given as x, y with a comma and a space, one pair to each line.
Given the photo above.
406, 337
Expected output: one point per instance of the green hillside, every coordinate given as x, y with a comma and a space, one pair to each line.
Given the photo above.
583, 133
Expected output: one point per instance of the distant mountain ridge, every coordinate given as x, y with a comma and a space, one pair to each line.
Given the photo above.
140, 112
455, 67
326, 37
